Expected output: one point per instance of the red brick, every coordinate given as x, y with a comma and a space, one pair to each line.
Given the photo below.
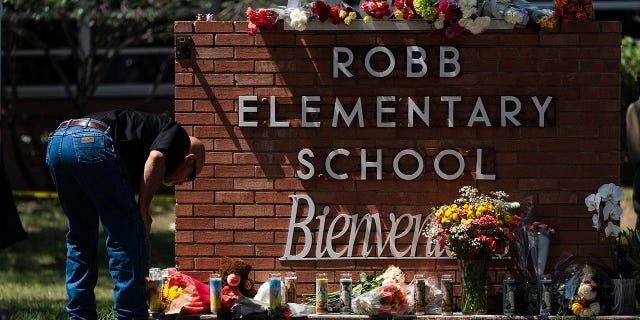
184, 237
194, 223
254, 210
606, 39
193, 66
237, 250
214, 53
202, 40
234, 197
183, 105
611, 26
183, 27
275, 39
213, 26
234, 223
194, 118
233, 66
253, 53
254, 79
212, 210
185, 79
253, 184
577, 27
212, 236
234, 40
194, 249
194, 197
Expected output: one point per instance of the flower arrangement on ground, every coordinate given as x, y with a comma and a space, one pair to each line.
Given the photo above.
475, 225
388, 299
539, 236
474, 228
584, 304
182, 294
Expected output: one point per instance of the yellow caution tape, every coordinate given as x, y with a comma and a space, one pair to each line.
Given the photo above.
54, 195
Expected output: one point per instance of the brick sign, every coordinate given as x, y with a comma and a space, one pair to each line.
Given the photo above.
329, 149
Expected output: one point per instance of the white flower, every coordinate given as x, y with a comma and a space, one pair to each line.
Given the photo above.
592, 310
513, 16
467, 13
612, 211
514, 205
480, 24
611, 230
467, 3
611, 192
439, 23
593, 202
596, 220
587, 290
298, 19
393, 275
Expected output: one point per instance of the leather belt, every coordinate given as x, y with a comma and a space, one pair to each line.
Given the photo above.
83, 123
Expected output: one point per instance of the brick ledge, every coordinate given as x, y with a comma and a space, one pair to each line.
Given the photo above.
458, 316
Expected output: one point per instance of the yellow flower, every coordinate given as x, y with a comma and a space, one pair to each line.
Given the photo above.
367, 19
577, 308
348, 20
399, 15
343, 14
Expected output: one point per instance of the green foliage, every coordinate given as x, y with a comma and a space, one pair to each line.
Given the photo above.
630, 58
364, 285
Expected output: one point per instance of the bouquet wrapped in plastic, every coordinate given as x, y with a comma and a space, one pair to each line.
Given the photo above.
183, 294
584, 303
388, 299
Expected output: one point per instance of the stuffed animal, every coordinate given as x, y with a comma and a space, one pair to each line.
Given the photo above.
235, 281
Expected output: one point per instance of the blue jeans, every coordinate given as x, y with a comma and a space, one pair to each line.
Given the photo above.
93, 183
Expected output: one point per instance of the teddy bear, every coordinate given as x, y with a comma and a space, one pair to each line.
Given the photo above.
235, 281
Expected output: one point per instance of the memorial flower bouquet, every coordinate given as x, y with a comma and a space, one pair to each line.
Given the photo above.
475, 225
260, 18
584, 304
376, 9
182, 294
573, 10
388, 299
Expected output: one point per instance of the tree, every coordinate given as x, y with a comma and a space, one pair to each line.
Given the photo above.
94, 33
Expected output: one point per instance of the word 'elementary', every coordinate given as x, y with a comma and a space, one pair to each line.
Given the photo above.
510, 108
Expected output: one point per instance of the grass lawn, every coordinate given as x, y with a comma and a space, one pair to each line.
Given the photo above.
32, 271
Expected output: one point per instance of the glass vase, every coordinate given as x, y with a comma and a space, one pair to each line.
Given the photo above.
474, 282
624, 296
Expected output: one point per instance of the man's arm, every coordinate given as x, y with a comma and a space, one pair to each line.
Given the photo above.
152, 177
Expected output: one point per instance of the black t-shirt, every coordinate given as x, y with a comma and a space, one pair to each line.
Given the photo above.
137, 133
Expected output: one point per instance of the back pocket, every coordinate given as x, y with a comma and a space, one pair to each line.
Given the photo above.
89, 147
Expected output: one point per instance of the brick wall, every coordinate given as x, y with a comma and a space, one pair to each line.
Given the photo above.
240, 205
